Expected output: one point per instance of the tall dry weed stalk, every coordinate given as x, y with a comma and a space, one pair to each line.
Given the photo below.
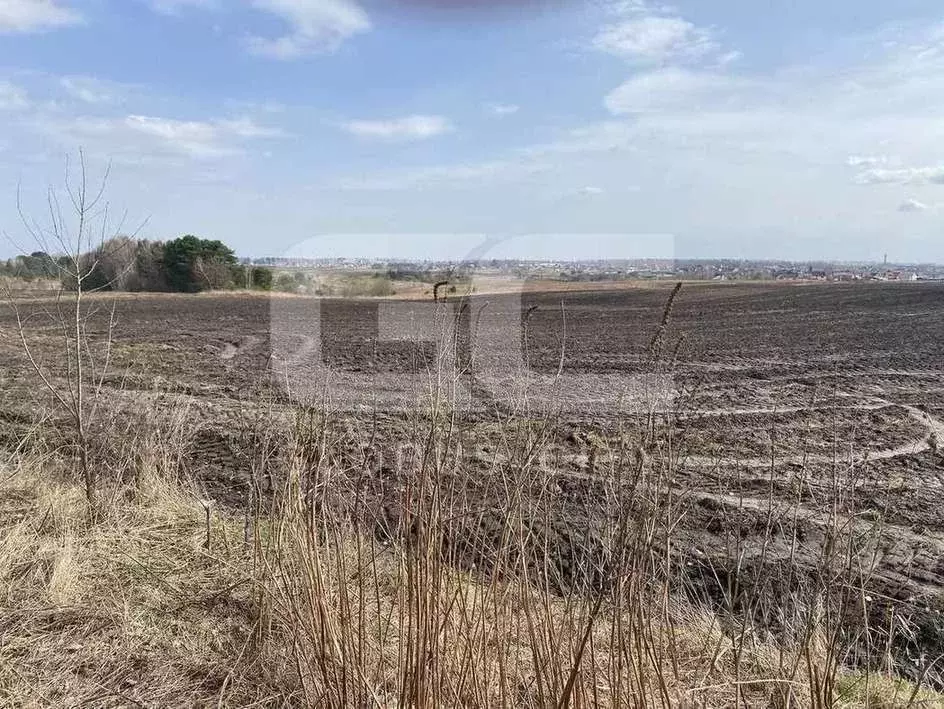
451, 558
426, 576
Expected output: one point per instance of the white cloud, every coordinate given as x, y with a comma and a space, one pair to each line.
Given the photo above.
902, 176
35, 15
852, 116
12, 97
866, 160
773, 152
197, 138
247, 128
590, 190
912, 205
148, 138
502, 109
464, 174
200, 138
656, 39
415, 127
88, 89
761, 163
672, 90
312, 26
315, 26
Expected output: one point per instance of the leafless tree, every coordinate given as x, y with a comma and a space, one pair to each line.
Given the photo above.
77, 226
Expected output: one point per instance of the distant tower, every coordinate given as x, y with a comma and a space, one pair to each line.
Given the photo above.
886, 259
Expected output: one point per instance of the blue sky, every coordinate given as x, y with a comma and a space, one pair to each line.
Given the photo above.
801, 129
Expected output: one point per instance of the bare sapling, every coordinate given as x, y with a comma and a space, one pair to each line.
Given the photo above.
77, 237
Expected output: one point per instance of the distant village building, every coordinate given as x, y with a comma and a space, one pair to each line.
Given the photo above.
899, 276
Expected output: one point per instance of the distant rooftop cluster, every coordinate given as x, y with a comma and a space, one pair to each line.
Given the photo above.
618, 269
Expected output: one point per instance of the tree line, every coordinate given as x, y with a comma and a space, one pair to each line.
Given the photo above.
185, 265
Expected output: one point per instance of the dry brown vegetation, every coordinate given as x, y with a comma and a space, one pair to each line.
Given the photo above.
167, 600
441, 556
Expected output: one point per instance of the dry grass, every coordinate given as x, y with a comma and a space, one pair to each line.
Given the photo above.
372, 626
304, 606
446, 588
133, 608
24, 286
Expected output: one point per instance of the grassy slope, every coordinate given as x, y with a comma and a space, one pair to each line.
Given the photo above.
136, 610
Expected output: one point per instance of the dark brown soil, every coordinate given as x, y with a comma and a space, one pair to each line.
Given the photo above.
799, 409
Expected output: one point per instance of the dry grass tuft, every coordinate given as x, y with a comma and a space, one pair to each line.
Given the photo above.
132, 609
138, 610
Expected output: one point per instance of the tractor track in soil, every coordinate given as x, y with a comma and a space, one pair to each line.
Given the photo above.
754, 355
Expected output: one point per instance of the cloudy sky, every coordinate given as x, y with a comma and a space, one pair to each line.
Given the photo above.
786, 129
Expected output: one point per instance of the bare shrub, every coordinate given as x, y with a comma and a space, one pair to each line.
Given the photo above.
83, 357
